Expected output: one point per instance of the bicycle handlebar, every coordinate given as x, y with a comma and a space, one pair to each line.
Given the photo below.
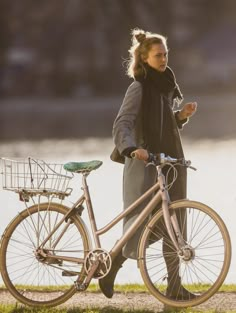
161, 158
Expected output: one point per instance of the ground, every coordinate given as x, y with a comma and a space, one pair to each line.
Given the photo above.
221, 302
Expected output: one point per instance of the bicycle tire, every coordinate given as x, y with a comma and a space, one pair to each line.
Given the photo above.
32, 281
204, 272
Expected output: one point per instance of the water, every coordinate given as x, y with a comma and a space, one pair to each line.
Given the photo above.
213, 184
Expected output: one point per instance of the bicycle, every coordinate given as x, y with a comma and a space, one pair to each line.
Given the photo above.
47, 254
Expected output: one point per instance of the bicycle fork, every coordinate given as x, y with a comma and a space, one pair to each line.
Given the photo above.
170, 220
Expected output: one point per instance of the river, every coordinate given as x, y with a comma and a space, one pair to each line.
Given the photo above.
213, 183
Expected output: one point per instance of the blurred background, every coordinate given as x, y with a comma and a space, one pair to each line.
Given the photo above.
62, 81
62, 71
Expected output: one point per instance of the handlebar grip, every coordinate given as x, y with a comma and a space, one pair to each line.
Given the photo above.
151, 157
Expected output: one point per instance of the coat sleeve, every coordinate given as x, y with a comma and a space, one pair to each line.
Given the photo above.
180, 123
124, 125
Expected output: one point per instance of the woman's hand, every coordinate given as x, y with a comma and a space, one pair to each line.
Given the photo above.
140, 154
188, 110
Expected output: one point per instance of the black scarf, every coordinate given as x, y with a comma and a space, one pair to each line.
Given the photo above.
157, 120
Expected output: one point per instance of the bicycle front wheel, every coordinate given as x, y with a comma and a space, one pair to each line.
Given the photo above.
185, 279
31, 278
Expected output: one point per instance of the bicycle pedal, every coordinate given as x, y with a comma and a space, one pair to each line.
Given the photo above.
81, 286
70, 273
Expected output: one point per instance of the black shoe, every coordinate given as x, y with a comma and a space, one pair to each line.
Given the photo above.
106, 284
179, 293
176, 291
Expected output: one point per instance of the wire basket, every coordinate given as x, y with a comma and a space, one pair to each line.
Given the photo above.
34, 177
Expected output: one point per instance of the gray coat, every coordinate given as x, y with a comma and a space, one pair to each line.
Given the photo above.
127, 132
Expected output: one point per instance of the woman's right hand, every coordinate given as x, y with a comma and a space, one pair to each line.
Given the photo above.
140, 154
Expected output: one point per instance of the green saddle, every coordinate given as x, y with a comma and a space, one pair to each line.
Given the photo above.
79, 167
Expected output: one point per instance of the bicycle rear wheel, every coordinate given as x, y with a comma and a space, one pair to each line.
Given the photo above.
31, 278
195, 277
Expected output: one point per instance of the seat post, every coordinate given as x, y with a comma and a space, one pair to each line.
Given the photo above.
90, 210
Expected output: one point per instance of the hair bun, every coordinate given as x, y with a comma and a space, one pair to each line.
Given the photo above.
140, 37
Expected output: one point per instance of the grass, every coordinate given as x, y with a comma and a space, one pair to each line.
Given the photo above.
128, 288
142, 288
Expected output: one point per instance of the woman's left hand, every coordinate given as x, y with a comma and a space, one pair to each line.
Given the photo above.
188, 110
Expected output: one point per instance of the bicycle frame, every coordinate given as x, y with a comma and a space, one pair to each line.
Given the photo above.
161, 195
184, 244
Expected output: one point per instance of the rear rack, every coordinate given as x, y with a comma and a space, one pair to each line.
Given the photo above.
31, 177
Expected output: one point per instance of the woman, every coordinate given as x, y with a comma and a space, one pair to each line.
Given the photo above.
147, 123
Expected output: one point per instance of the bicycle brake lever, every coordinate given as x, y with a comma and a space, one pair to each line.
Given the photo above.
188, 164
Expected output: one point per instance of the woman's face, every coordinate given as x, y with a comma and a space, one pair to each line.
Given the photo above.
157, 57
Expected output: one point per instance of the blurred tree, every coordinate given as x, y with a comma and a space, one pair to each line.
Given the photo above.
77, 47
4, 43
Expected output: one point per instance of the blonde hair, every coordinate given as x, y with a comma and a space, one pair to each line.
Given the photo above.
141, 44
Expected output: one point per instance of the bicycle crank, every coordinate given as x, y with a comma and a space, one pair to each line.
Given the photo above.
104, 259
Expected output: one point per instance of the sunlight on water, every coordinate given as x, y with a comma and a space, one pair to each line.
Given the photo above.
213, 184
